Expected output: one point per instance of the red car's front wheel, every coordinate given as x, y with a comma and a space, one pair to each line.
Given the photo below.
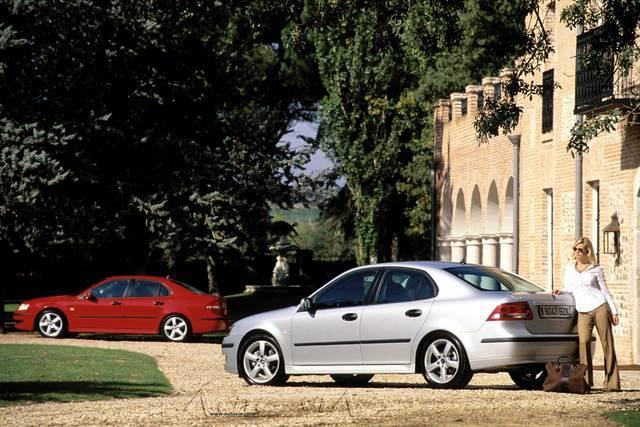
51, 324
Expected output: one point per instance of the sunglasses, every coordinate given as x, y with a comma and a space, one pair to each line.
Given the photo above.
581, 250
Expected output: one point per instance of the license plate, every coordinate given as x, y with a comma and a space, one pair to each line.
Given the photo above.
551, 311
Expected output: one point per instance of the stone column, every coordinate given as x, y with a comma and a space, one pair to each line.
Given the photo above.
456, 104
474, 250
458, 249
472, 99
489, 86
442, 110
444, 249
506, 252
490, 250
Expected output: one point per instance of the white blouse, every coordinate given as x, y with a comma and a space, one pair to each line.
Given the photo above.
589, 288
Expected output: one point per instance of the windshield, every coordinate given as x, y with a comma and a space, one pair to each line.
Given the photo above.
492, 279
189, 287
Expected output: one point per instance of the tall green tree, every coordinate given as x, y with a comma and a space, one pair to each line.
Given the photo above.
382, 64
138, 126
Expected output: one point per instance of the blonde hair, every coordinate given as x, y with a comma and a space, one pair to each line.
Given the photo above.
588, 246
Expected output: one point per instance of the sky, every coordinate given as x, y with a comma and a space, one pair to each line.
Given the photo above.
319, 160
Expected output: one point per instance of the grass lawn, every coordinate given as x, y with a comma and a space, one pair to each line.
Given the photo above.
626, 418
38, 373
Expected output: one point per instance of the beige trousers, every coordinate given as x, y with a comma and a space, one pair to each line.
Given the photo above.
601, 318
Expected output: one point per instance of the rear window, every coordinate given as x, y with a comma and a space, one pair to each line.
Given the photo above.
492, 279
189, 287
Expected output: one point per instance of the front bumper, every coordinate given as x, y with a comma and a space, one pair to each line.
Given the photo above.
230, 350
23, 321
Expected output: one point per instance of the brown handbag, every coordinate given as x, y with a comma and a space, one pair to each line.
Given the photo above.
565, 377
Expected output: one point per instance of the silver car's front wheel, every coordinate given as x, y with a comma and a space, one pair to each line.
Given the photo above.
262, 361
445, 363
175, 328
51, 324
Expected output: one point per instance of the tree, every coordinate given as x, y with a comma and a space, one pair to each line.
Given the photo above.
614, 49
156, 125
382, 63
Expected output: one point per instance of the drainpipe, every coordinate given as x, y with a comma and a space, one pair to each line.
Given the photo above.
515, 141
434, 212
579, 118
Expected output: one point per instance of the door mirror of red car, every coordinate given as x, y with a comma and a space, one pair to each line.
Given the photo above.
87, 296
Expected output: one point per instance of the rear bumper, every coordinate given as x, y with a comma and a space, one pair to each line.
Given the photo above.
512, 351
211, 324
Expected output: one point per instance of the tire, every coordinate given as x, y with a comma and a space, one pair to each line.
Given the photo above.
352, 379
51, 324
529, 377
176, 328
444, 363
261, 361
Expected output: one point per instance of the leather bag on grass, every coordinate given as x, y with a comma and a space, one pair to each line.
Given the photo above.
566, 377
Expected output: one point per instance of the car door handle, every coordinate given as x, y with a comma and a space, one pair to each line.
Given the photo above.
416, 312
349, 317
116, 303
158, 303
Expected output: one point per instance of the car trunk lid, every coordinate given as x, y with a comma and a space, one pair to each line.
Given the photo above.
552, 314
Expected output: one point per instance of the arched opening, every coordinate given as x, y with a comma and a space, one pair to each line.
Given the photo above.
475, 218
507, 222
492, 223
447, 216
459, 216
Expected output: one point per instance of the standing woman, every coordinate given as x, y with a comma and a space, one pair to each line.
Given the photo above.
584, 279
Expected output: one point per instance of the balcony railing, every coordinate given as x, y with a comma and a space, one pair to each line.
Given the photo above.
598, 87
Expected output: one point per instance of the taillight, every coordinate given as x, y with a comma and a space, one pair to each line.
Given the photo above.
512, 311
220, 306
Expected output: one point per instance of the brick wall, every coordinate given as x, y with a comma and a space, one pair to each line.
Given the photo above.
545, 166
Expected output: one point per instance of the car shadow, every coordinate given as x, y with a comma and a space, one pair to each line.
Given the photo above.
381, 385
214, 339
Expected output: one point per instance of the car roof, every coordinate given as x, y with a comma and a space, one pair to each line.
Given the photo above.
138, 276
418, 264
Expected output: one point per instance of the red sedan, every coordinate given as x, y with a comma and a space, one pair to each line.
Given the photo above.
127, 305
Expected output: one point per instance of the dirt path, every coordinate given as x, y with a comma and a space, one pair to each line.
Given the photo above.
206, 395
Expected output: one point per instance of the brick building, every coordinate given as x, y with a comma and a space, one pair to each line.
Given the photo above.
519, 201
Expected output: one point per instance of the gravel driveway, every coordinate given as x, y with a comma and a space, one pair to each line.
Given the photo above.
206, 395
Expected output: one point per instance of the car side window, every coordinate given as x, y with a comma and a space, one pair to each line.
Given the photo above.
111, 289
347, 292
146, 288
404, 285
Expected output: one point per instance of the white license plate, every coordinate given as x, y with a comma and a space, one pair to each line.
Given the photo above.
550, 311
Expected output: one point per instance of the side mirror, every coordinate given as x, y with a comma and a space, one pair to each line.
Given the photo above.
87, 296
306, 304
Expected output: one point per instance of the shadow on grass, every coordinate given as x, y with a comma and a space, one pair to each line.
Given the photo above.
67, 391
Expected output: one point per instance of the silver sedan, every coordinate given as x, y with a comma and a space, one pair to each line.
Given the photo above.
443, 320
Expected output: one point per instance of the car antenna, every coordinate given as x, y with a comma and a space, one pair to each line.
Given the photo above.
463, 260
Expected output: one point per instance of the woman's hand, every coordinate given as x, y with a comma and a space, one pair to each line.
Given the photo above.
615, 320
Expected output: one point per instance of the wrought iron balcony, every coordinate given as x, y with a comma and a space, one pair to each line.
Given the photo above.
599, 88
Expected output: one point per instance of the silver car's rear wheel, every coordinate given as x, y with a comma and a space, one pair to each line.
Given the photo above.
529, 377
262, 362
176, 328
445, 363
52, 324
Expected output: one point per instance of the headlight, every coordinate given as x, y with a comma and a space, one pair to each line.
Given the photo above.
23, 307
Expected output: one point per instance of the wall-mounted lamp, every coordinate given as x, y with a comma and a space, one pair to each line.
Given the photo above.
611, 243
